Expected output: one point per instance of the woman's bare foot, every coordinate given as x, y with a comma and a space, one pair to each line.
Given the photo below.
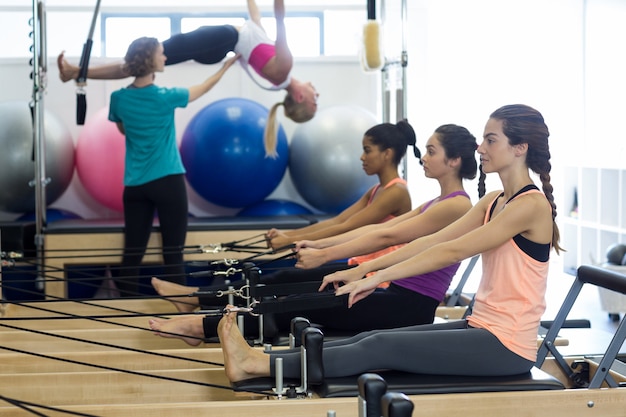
240, 360
176, 293
187, 328
66, 70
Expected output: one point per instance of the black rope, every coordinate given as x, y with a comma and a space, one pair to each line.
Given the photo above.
87, 303
88, 281
93, 342
100, 320
24, 405
128, 371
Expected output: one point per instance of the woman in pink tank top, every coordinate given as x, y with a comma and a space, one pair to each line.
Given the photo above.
384, 146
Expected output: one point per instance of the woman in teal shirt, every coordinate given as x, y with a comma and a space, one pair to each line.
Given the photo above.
153, 171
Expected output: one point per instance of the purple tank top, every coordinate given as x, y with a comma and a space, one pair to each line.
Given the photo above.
432, 284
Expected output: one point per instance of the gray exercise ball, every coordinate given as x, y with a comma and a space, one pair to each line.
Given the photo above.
615, 253
324, 158
17, 167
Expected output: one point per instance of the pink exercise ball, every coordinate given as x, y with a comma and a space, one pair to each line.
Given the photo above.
100, 160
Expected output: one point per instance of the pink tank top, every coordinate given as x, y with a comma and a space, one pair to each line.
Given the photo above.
356, 260
510, 299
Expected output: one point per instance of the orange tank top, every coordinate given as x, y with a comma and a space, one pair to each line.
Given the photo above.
510, 299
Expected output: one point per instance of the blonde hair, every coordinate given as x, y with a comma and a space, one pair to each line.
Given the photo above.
298, 112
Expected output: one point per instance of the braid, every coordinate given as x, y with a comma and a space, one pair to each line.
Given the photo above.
547, 190
481, 183
523, 124
271, 131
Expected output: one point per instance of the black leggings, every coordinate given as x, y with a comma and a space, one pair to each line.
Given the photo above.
450, 348
206, 45
168, 196
385, 308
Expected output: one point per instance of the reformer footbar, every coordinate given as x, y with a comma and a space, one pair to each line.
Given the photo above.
261, 299
311, 370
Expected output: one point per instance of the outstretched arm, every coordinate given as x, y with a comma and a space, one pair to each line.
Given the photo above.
253, 11
67, 71
352, 234
470, 221
199, 90
359, 214
462, 240
284, 59
432, 220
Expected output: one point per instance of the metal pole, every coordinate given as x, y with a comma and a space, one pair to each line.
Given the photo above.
39, 87
401, 107
384, 84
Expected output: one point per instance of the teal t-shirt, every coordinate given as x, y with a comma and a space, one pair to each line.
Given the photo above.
147, 114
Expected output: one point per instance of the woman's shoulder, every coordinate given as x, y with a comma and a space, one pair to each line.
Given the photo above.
397, 182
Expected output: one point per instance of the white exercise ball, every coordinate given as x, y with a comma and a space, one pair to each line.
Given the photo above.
324, 158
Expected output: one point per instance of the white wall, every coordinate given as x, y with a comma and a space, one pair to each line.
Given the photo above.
339, 81
466, 58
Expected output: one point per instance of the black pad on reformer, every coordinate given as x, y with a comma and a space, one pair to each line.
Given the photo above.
297, 326
313, 341
372, 387
396, 404
412, 384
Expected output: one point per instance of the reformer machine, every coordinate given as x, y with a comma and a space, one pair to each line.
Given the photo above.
601, 379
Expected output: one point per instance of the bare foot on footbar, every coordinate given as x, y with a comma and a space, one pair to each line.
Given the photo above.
177, 294
241, 362
189, 329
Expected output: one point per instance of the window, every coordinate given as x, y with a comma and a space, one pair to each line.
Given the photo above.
332, 32
119, 32
304, 32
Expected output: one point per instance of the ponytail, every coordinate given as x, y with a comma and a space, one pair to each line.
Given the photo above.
271, 132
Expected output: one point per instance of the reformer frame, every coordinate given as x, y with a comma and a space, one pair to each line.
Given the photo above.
604, 375
605, 402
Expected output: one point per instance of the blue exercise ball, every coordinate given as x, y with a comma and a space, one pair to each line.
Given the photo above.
324, 160
274, 207
17, 167
224, 155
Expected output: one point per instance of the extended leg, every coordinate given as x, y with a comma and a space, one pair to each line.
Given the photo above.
206, 45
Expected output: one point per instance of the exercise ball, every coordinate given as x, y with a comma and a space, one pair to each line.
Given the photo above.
17, 165
100, 160
324, 160
223, 153
274, 207
52, 215
615, 253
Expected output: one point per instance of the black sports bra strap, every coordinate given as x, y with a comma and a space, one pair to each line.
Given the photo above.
523, 190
